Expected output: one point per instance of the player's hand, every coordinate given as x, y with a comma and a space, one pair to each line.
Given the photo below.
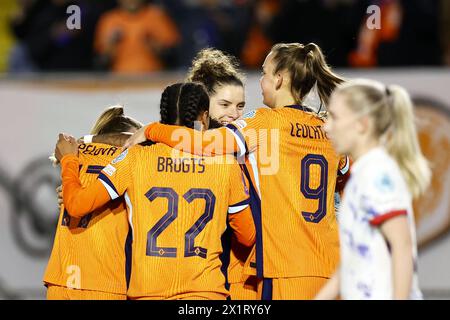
136, 138
66, 145
60, 196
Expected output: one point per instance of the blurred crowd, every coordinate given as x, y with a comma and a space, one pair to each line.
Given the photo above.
141, 36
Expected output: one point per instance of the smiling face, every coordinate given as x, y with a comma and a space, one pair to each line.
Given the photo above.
227, 103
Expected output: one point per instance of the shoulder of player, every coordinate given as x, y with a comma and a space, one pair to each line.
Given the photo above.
293, 115
224, 165
223, 161
148, 147
259, 112
382, 176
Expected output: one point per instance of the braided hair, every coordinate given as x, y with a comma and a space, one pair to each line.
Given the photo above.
183, 103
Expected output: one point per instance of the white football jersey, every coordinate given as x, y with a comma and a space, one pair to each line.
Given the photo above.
375, 192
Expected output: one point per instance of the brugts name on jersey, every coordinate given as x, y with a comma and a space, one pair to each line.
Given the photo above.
181, 165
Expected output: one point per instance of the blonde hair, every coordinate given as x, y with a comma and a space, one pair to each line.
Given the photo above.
392, 111
112, 120
213, 68
308, 68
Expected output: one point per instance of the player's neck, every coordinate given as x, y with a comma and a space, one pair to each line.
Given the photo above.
362, 148
284, 100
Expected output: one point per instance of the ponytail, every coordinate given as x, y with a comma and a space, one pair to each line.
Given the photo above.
106, 117
326, 79
402, 142
392, 112
113, 120
308, 68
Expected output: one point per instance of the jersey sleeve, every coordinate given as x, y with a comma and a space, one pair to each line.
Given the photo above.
79, 201
207, 143
237, 137
246, 131
239, 195
239, 213
117, 176
344, 165
343, 173
383, 198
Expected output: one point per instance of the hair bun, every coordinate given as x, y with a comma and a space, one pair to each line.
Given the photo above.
211, 67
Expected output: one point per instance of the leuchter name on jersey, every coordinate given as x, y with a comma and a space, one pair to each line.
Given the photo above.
300, 130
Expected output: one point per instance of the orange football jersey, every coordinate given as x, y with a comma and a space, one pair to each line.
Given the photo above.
89, 253
239, 253
179, 206
298, 168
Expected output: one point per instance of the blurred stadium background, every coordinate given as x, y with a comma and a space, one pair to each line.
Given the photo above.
53, 80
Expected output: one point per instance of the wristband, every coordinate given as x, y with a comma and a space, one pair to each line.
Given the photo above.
88, 138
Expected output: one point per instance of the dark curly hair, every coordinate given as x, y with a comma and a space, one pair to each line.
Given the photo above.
182, 103
213, 68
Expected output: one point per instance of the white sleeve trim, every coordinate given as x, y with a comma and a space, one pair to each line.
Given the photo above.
240, 143
237, 209
111, 192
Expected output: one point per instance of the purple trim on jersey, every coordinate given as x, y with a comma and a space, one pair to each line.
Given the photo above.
242, 203
300, 107
238, 133
94, 169
255, 205
128, 254
225, 255
106, 180
267, 289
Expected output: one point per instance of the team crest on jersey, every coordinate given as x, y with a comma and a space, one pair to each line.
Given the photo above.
109, 170
120, 157
241, 124
249, 115
384, 183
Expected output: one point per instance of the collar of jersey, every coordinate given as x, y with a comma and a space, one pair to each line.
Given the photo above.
299, 107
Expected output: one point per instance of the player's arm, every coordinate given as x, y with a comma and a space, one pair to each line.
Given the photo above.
330, 291
397, 233
210, 142
240, 136
79, 201
243, 226
385, 203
